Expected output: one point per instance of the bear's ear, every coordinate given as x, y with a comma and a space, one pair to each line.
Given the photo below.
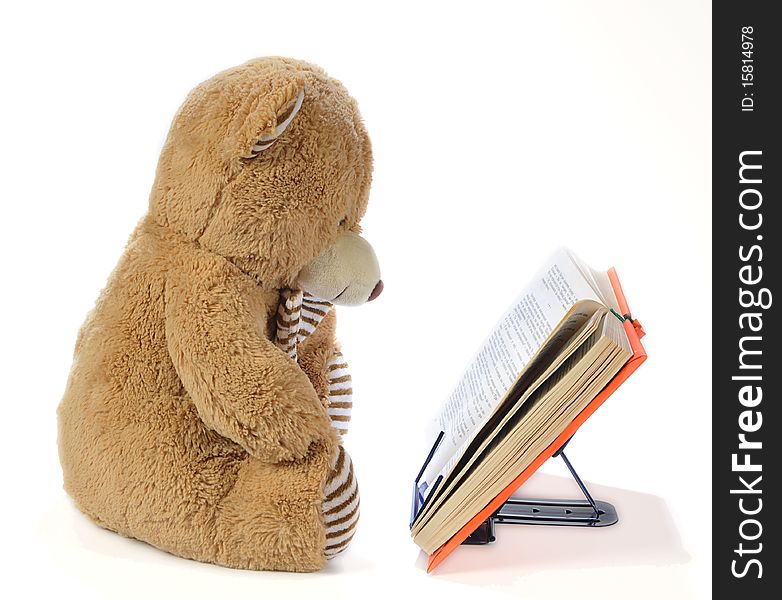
284, 116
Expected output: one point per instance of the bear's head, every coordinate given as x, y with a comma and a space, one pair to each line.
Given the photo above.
269, 165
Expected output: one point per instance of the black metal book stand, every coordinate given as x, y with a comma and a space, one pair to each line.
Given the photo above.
517, 511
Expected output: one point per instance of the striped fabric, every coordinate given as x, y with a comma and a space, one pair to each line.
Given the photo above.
340, 393
341, 504
298, 315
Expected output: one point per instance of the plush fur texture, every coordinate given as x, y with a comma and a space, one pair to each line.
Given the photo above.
182, 423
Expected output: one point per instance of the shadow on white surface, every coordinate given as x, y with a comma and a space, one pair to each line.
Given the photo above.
641, 556
101, 560
645, 536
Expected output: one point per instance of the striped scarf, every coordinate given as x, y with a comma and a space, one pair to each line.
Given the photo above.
298, 314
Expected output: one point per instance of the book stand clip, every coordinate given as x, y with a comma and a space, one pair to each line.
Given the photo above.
517, 511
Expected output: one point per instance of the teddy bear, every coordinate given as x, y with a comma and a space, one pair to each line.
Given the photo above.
207, 400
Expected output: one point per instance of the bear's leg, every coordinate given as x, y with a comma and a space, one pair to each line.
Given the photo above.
288, 516
272, 517
340, 504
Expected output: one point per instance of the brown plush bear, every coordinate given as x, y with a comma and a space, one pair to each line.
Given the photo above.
207, 398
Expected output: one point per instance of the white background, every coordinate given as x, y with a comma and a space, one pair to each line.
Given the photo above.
498, 135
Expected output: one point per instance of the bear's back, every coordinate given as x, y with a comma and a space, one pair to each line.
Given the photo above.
125, 421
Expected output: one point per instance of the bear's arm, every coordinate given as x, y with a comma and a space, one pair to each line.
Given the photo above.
242, 385
315, 352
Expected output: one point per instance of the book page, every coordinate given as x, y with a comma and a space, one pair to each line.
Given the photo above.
576, 327
599, 282
515, 339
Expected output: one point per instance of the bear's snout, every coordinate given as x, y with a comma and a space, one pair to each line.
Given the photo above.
347, 273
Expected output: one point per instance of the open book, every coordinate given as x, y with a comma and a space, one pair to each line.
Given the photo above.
550, 357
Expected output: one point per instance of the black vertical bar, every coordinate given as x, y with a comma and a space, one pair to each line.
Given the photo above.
746, 328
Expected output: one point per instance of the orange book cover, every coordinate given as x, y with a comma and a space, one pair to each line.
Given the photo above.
634, 333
